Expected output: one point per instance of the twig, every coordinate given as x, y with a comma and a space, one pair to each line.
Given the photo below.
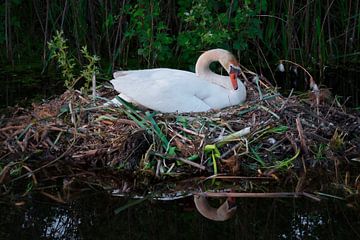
235, 147
11, 127
269, 111
237, 177
46, 165
251, 194
191, 163
230, 150
56, 199
32, 175
190, 131
179, 135
311, 196
287, 100
194, 164
93, 88
258, 87
5, 170
301, 135
158, 165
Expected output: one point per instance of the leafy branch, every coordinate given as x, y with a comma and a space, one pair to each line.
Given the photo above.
59, 51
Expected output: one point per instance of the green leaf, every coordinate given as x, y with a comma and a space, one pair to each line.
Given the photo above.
215, 154
171, 151
193, 157
213, 149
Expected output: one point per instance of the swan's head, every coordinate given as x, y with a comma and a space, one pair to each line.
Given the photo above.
234, 72
225, 58
232, 66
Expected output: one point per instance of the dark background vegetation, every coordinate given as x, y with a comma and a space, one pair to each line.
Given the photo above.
139, 34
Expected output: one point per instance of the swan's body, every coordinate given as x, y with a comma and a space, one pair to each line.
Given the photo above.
171, 90
222, 213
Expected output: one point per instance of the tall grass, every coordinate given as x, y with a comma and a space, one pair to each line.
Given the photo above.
131, 34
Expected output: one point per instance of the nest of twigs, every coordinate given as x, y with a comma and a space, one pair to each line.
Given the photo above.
305, 143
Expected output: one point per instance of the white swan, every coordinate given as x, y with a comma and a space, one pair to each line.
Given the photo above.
222, 213
172, 90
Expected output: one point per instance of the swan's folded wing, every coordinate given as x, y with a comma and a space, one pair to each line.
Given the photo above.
163, 90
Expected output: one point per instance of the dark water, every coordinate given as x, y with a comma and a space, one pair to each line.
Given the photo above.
27, 86
92, 217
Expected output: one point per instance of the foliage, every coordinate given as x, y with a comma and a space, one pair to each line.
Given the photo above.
214, 152
320, 153
147, 28
337, 142
230, 27
59, 51
89, 69
132, 34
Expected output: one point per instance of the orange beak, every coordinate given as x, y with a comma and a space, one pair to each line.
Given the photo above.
233, 79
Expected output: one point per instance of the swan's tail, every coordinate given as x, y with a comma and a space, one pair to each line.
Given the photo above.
119, 74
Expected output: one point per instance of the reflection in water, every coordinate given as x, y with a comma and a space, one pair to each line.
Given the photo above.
93, 218
305, 226
62, 224
224, 212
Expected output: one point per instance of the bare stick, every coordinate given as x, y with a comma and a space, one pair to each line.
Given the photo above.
250, 194
194, 164
94, 87
301, 135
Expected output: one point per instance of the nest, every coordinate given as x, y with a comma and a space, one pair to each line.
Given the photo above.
300, 144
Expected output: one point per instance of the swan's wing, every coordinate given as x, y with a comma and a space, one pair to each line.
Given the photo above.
165, 90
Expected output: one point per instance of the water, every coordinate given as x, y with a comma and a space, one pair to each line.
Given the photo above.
27, 86
92, 217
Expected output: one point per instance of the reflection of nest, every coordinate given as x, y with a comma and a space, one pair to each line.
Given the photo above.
73, 144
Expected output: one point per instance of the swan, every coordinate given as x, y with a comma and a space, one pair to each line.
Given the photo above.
171, 90
222, 213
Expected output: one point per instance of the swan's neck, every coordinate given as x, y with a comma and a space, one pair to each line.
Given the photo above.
221, 213
202, 67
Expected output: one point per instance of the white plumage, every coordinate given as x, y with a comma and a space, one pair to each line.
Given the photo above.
172, 90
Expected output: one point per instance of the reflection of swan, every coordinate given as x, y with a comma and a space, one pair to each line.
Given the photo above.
171, 90
222, 213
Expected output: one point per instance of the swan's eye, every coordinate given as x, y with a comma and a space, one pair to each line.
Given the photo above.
235, 70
